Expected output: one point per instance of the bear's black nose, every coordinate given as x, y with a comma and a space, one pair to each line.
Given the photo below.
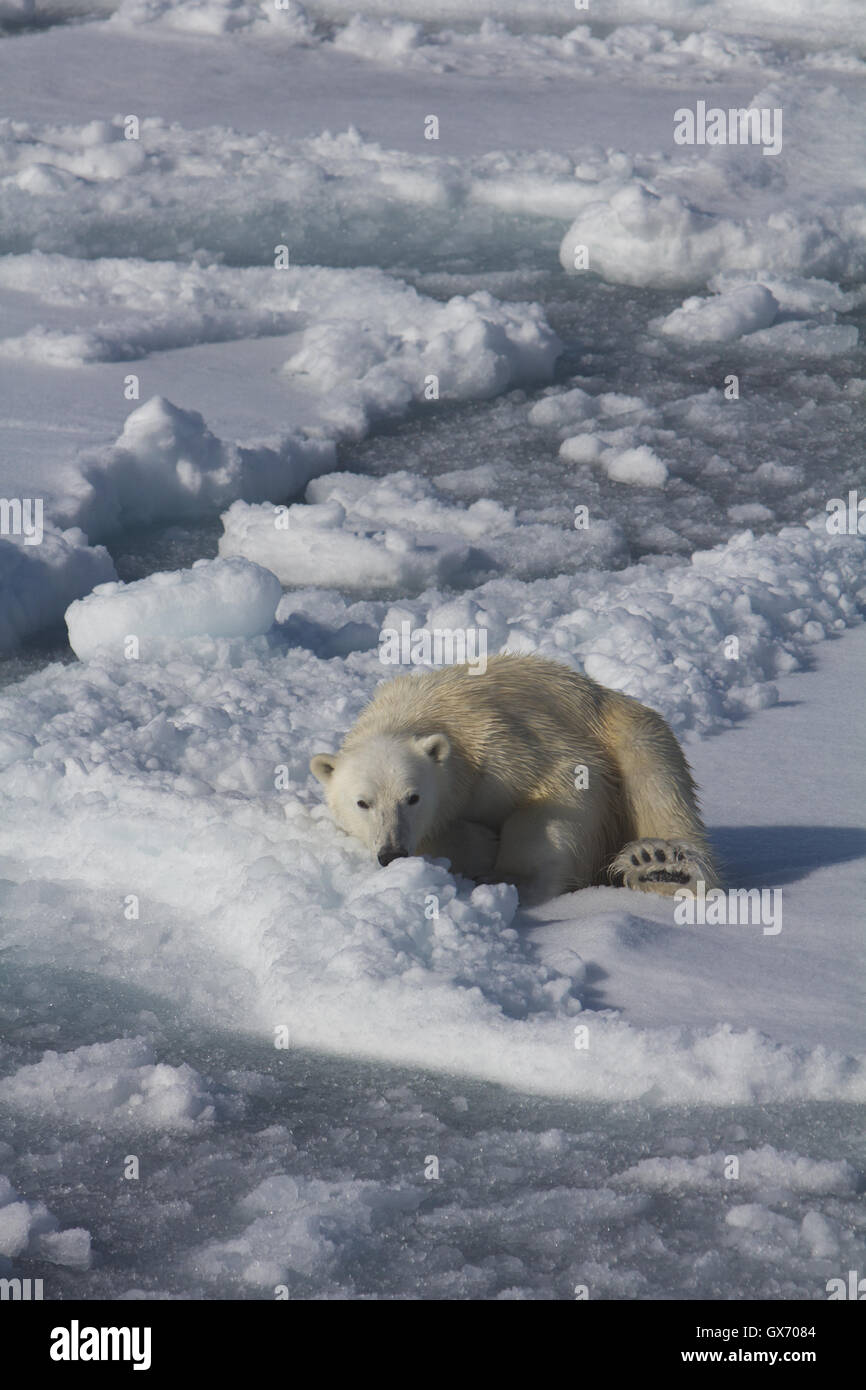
386, 855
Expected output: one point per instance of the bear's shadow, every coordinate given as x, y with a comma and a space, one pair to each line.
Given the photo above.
766, 856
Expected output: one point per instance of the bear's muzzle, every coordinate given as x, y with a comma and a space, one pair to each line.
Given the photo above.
386, 855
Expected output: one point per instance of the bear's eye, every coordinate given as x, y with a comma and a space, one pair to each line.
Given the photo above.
364, 805
413, 799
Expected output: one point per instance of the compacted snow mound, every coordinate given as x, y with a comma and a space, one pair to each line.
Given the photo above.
168, 466
638, 235
117, 1082
380, 355
216, 598
38, 581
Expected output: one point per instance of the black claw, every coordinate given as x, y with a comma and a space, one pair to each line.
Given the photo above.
645, 856
635, 860
661, 856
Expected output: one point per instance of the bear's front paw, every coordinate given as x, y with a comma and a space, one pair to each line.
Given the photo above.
662, 866
471, 848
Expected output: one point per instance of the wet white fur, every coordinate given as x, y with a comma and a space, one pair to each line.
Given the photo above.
492, 759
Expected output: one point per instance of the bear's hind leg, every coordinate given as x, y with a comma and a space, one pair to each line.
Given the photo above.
667, 846
662, 866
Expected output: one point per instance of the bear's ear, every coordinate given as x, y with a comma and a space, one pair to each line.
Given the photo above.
322, 766
436, 746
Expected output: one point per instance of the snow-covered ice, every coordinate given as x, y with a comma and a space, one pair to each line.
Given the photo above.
283, 372
336, 539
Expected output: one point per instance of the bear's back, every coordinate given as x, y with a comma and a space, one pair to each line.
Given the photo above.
521, 708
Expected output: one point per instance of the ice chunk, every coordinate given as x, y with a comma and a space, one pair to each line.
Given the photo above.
639, 467
726, 316
216, 598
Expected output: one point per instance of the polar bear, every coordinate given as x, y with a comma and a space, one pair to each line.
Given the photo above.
527, 773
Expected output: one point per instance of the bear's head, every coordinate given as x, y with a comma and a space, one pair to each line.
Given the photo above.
386, 790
